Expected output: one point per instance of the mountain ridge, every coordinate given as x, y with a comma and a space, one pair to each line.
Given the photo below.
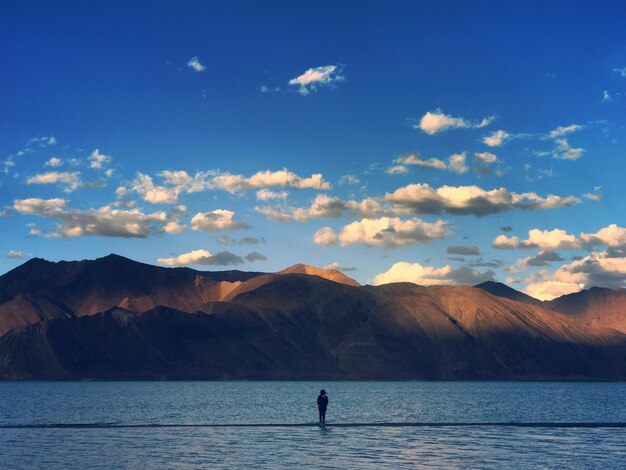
115, 318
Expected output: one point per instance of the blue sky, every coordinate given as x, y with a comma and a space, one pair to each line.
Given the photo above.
434, 142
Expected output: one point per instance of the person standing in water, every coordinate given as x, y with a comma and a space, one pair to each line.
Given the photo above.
322, 404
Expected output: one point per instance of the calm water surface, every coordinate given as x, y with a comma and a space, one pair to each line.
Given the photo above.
205, 403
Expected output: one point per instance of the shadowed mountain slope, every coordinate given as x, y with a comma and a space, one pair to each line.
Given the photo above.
289, 326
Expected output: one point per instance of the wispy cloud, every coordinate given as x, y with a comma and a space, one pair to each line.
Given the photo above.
195, 65
621, 71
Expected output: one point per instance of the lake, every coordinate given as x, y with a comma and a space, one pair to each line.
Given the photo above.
206, 424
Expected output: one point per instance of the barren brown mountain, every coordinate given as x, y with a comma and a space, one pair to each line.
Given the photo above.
115, 318
602, 307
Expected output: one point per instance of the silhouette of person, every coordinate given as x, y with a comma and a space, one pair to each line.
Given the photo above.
322, 404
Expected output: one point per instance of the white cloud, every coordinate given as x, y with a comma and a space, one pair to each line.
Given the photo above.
397, 170
486, 157
612, 235
39, 206
456, 163
564, 151
282, 178
195, 64
464, 200
558, 239
564, 130
148, 191
497, 138
437, 121
503, 242
337, 267
315, 77
44, 141
54, 162
415, 160
606, 98
383, 232
606, 268
181, 182
173, 227
325, 236
71, 180
428, 275
268, 195
216, 220
420, 199
15, 254
97, 160
326, 207
203, 257
103, 221
593, 196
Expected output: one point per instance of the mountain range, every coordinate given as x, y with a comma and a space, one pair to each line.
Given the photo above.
115, 318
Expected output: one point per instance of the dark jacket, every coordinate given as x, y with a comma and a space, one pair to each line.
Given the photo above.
322, 402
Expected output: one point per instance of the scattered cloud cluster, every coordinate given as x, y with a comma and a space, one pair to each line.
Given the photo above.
558, 239
417, 199
181, 182
103, 221
605, 268
466, 200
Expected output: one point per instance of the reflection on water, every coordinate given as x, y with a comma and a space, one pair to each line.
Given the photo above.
294, 402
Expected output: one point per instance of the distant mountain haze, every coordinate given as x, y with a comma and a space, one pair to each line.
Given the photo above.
114, 318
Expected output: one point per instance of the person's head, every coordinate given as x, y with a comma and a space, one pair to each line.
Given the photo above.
322, 392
